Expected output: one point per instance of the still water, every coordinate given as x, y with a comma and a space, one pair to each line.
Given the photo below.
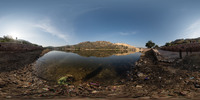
92, 66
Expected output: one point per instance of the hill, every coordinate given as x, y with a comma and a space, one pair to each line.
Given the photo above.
183, 41
7, 43
9, 39
191, 45
98, 45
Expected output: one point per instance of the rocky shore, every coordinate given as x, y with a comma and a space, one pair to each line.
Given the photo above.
149, 78
165, 78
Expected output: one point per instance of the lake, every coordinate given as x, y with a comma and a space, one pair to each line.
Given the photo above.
105, 67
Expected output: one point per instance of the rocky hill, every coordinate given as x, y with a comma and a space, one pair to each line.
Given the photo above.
191, 45
183, 41
99, 45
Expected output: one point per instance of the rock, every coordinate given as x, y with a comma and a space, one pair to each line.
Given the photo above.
191, 78
139, 86
154, 96
95, 91
190, 95
55, 86
94, 84
114, 94
140, 75
2, 83
184, 93
46, 89
197, 85
144, 98
8, 97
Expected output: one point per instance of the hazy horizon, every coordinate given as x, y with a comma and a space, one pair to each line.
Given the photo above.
67, 22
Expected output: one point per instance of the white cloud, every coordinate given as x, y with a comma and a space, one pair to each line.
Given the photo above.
127, 33
46, 26
193, 30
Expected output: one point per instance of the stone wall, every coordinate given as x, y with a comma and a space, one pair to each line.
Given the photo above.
18, 47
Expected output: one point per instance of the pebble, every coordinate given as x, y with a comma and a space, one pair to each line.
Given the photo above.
46, 89
154, 96
95, 91
8, 97
191, 78
138, 86
140, 74
184, 93
114, 94
197, 85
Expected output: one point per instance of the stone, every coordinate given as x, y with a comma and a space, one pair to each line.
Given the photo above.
8, 97
95, 91
140, 75
184, 93
2, 83
197, 85
46, 89
154, 96
138, 86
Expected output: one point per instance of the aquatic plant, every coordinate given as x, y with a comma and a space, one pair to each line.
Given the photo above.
66, 80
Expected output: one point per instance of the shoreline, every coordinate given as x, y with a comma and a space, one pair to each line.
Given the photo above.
148, 79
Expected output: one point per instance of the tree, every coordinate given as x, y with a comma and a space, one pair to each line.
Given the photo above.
156, 47
8, 38
168, 44
150, 44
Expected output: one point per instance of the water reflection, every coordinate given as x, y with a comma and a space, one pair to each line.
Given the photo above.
106, 67
101, 53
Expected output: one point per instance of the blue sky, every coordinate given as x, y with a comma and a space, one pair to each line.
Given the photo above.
67, 22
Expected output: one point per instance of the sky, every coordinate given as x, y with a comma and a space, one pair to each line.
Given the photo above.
68, 22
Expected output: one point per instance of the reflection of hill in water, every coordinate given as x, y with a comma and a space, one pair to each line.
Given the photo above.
102, 53
102, 67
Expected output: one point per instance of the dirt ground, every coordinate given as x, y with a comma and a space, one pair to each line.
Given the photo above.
149, 79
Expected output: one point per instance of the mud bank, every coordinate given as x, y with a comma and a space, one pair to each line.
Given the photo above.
14, 60
149, 78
